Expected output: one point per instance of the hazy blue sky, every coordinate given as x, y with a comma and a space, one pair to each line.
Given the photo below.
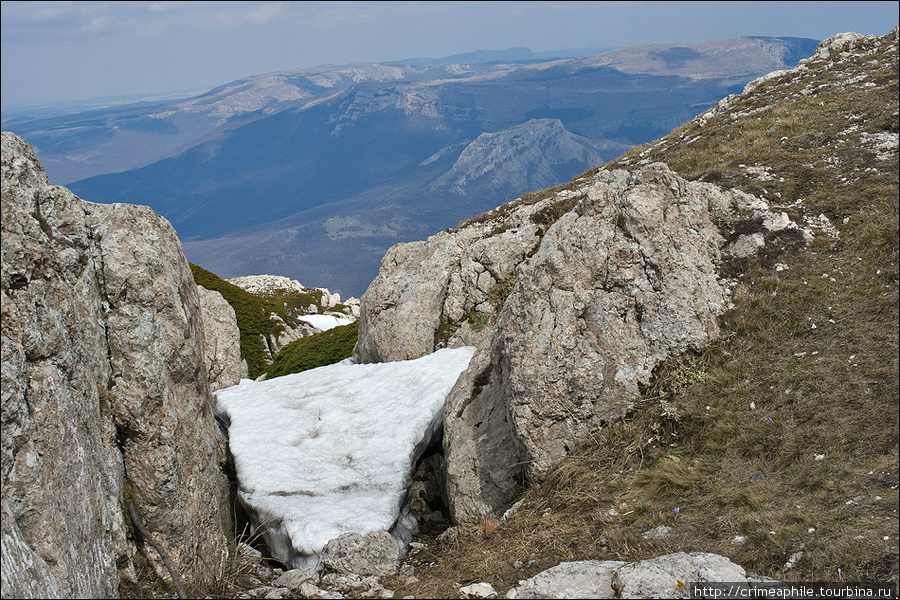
62, 51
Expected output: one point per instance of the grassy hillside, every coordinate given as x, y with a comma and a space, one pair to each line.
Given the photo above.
253, 317
778, 445
314, 351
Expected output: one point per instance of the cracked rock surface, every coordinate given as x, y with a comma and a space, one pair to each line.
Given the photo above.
572, 299
104, 392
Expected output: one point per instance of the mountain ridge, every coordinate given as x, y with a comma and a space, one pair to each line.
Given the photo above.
358, 144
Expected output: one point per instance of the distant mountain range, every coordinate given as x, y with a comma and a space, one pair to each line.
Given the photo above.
314, 173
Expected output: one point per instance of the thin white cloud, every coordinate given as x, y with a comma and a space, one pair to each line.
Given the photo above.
34, 21
265, 13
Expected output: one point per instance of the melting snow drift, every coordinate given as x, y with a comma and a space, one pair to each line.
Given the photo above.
331, 450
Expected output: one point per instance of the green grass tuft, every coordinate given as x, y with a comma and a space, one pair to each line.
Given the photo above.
315, 351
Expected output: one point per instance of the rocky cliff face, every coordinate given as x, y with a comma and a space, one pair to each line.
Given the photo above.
573, 299
538, 154
105, 400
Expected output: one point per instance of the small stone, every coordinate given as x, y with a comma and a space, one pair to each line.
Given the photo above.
657, 533
478, 590
375, 553
294, 578
793, 560
512, 510
416, 547
449, 536
249, 552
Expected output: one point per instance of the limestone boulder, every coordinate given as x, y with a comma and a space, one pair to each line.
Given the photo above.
481, 589
105, 399
224, 364
667, 576
621, 282
375, 553
294, 579
581, 579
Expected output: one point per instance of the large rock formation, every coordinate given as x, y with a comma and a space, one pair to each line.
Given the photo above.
224, 364
571, 309
620, 283
105, 399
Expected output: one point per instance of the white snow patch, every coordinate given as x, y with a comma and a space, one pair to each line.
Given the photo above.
331, 450
325, 322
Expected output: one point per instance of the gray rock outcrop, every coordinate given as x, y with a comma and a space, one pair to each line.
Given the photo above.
572, 297
620, 283
224, 364
581, 579
666, 576
105, 399
448, 289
